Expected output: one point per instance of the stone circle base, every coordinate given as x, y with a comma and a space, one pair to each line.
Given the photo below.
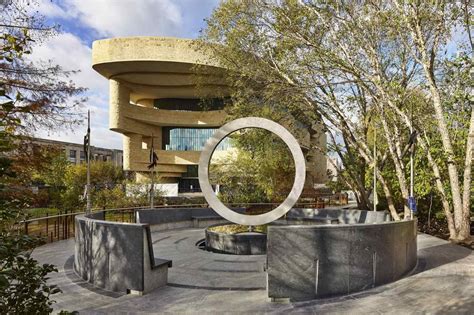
246, 243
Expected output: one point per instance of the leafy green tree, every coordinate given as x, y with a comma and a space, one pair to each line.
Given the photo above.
259, 168
104, 177
23, 282
53, 176
32, 96
356, 66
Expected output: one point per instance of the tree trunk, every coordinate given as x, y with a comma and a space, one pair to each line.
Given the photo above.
448, 149
366, 205
464, 231
398, 167
428, 66
388, 195
439, 186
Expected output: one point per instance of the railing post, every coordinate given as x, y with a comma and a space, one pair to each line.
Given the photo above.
61, 220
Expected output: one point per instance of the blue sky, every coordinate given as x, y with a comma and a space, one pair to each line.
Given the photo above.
83, 21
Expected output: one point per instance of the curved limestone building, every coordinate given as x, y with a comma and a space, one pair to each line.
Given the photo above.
153, 92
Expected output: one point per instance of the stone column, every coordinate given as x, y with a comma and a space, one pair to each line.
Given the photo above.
132, 145
119, 100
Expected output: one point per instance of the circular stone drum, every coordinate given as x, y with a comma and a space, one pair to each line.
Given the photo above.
244, 243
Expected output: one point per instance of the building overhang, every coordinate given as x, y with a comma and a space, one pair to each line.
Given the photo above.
157, 67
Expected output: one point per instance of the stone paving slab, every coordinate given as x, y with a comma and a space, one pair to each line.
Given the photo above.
442, 283
200, 269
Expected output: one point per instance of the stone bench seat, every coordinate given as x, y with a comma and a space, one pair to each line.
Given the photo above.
202, 220
158, 262
319, 219
323, 219
117, 256
206, 217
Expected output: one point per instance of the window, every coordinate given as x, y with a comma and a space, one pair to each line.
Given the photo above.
192, 171
187, 185
193, 104
83, 155
189, 139
72, 154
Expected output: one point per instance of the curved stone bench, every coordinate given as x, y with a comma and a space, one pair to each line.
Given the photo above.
341, 216
313, 261
304, 261
117, 256
178, 218
173, 218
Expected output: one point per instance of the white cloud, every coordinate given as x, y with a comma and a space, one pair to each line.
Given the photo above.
120, 18
101, 136
71, 53
107, 18
49, 9
128, 17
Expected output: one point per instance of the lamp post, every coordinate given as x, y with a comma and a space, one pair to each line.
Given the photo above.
87, 147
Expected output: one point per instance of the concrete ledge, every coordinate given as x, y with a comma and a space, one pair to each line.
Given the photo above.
117, 256
308, 262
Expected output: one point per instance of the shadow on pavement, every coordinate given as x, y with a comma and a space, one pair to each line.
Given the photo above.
71, 275
436, 256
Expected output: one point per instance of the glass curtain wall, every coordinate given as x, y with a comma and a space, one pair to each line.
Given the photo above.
189, 139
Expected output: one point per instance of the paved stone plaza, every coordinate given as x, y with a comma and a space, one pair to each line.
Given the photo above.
200, 282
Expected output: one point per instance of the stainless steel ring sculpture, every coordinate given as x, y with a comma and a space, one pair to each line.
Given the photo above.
213, 142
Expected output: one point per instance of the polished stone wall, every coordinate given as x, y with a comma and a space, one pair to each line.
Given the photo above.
178, 215
358, 251
247, 243
346, 216
116, 256
315, 261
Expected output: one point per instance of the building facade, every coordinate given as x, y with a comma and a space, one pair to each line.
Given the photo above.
153, 95
75, 154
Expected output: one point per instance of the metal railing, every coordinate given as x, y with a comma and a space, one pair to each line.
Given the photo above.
62, 226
